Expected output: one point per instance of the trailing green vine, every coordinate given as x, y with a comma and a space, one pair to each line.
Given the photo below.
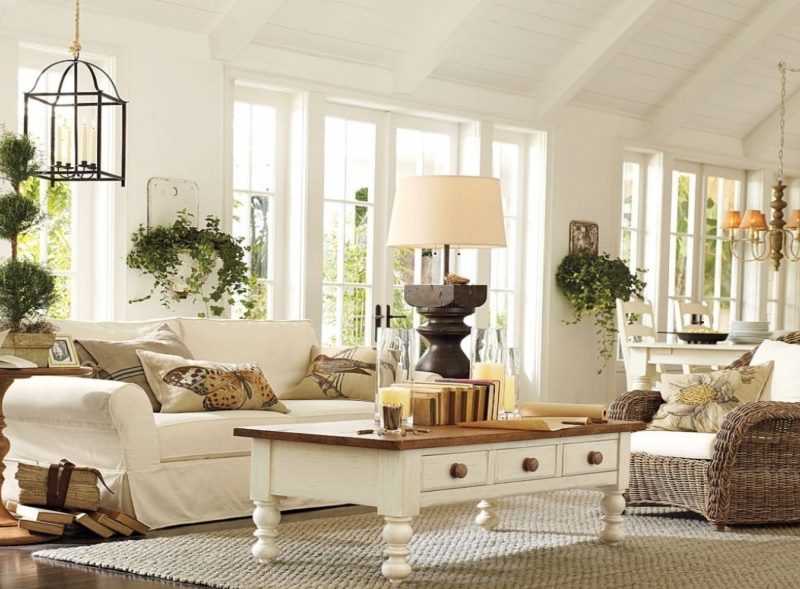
592, 284
162, 253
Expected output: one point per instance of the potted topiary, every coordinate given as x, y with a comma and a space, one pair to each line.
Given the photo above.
27, 289
593, 283
187, 262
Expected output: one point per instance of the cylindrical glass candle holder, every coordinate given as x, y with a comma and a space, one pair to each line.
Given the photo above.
395, 359
510, 392
489, 356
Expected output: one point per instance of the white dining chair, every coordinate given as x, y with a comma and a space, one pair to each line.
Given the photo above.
635, 322
684, 309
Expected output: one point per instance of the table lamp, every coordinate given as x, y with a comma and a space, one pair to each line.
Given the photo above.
446, 211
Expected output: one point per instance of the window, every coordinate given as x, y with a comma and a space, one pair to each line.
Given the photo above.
349, 189
507, 166
632, 191
254, 198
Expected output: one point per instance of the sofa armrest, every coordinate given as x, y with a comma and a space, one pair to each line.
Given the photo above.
101, 423
755, 461
635, 406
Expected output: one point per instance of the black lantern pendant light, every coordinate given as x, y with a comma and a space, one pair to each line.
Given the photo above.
80, 111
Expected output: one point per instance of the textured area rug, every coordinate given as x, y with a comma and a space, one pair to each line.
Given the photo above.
545, 541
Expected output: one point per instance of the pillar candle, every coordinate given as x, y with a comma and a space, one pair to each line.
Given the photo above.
510, 393
396, 395
490, 371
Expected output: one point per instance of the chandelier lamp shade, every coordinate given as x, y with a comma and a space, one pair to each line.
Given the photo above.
75, 106
780, 240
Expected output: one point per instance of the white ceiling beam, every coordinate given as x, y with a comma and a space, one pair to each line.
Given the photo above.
569, 75
719, 68
5, 8
444, 30
767, 132
240, 26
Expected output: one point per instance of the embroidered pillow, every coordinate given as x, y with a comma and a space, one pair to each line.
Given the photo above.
117, 360
338, 373
700, 402
183, 386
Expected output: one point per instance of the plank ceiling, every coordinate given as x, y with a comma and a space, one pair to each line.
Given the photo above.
707, 64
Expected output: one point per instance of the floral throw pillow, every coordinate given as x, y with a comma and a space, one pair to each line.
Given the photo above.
338, 373
700, 402
184, 386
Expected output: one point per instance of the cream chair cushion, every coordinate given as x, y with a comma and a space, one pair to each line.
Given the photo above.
783, 384
694, 445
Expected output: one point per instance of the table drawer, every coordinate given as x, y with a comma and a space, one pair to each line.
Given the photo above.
521, 464
583, 458
451, 471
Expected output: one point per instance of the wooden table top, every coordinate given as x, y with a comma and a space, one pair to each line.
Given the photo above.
45, 371
344, 433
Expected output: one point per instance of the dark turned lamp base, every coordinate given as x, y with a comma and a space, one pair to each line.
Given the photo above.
445, 306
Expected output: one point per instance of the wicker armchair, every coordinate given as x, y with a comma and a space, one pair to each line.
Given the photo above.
753, 476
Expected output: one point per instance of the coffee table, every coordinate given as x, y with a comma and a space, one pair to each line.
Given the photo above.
400, 475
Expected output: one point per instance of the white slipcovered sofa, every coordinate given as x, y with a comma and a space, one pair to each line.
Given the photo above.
167, 468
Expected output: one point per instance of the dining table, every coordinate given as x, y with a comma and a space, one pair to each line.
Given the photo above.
644, 356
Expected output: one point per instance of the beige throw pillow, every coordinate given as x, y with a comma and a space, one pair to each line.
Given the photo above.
700, 402
117, 360
183, 386
338, 373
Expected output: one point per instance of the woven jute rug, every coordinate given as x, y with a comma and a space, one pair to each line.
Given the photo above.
543, 541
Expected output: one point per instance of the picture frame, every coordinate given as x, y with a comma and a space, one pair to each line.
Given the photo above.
583, 236
63, 353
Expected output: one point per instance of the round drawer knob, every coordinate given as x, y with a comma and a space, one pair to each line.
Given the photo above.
595, 458
530, 465
458, 470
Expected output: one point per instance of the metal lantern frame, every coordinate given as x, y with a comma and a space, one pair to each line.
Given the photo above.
79, 170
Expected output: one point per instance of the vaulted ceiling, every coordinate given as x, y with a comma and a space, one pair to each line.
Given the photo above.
707, 64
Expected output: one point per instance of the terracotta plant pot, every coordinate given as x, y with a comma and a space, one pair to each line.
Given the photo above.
30, 346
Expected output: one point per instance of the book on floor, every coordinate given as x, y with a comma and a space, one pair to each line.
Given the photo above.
40, 514
110, 522
88, 522
124, 519
41, 527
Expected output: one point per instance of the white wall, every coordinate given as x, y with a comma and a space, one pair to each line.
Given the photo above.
177, 129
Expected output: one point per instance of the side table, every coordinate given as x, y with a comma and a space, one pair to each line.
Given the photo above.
10, 533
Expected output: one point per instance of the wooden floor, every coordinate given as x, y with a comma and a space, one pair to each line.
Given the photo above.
18, 570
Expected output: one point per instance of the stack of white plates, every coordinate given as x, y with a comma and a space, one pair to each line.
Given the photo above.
748, 332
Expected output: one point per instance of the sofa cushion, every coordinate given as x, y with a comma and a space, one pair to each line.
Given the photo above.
113, 330
701, 401
182, 385
280, 348
338, 373
191, 436
782, 385
330, 410
209, 434
695, 445
117, 360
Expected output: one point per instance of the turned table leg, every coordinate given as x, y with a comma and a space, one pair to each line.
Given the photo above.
613, 504
266, 517
397, 534
487, 517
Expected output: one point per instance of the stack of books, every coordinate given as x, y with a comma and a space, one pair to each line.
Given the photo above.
82, 492
451, 401
53, 522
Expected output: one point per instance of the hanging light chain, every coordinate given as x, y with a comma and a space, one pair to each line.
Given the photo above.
782, 115
75, 46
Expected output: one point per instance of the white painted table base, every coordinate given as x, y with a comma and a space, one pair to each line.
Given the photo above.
643, 357
399, 482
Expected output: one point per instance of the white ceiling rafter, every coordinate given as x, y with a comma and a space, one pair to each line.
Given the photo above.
5, 7
716, 70
240, 26
566, 78
442, 33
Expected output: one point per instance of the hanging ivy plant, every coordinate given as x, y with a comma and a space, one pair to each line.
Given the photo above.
182, 259
592, 284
